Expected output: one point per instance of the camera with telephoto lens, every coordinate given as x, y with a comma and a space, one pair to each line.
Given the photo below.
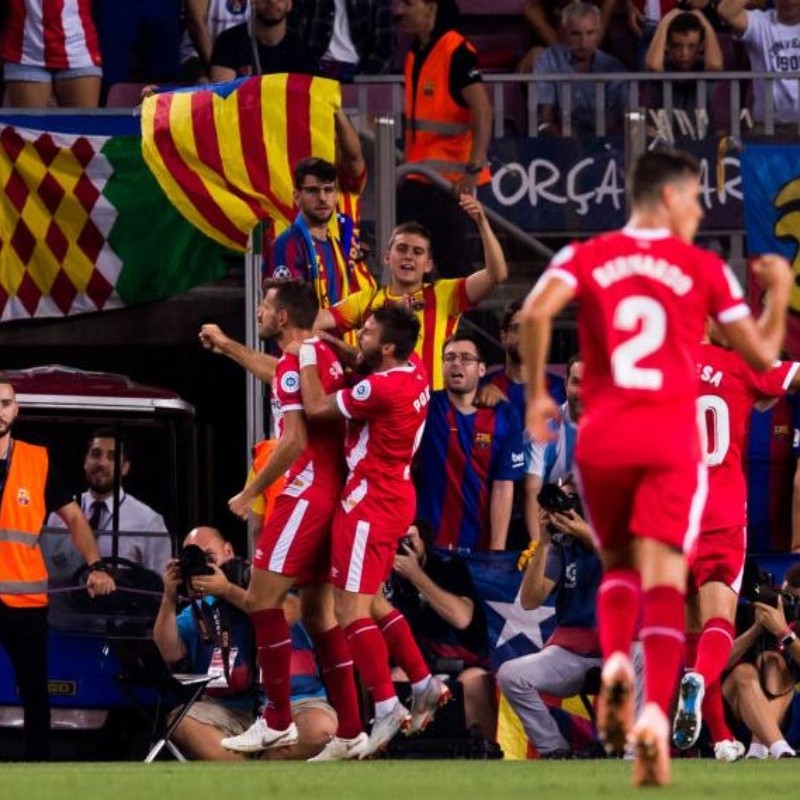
192, 562
553, 499
758, 586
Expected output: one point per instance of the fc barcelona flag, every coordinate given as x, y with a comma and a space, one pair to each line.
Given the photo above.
224, 155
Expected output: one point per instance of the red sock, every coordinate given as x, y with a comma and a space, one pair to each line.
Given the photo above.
662, 641
690, 650
713, 649
371, 657
403, 648
618, 610
336, 664
274, 648
714, 713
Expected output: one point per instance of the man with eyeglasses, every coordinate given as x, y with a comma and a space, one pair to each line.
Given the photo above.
470, 457
321, 245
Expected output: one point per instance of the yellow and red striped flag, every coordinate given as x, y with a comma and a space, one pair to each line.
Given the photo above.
224, 154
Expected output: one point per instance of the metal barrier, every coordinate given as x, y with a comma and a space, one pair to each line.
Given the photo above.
384, 94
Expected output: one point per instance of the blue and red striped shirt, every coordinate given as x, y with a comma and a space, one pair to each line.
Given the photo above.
461, 455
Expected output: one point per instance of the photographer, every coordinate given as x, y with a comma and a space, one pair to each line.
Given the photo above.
436, 595
564, 561
553, 462
216, 628
760, 689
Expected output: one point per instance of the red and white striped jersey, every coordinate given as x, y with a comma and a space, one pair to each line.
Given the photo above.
54, 34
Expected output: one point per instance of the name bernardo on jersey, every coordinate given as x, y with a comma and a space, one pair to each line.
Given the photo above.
657, 269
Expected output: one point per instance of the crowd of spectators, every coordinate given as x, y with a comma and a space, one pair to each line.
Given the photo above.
72, 56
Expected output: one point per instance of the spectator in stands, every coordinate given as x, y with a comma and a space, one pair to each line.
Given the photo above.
771, 466
684, 41
205, 21
143, 536
579, 55
553, 462
544, 18
146, 34
232, 697
448, 120
277, 50
439, 304
565, 562
760, 689
436, 595
349, 38
772, 42
50, 48
306, 250
469, 457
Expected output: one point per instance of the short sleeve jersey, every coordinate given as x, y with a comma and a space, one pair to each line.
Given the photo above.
321, 461
728, 388
643, 298
438, 307
386, 415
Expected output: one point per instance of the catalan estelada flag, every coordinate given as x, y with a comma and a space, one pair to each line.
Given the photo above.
224, 155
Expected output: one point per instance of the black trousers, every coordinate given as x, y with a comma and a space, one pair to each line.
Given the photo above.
23, 634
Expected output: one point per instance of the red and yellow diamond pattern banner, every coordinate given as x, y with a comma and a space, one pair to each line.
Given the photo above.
54, 223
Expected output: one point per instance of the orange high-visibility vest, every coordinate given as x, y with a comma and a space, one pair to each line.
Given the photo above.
23, 575
438, 131
261, 453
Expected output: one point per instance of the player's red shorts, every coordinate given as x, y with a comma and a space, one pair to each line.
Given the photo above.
718, 555
362, 551
662, 503
295, 540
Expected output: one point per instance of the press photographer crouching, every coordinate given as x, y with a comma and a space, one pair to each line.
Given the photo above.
760, 689
213, 635
565, 562
435, 593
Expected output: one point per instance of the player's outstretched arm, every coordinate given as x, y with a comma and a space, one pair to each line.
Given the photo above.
316, 403
760, 343
545, 301
259, 364
292, 442
480, 283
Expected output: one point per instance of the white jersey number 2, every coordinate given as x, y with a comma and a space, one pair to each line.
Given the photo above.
716, 425
630, 314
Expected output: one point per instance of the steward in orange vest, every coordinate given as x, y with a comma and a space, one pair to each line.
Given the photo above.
438, 130
23, 576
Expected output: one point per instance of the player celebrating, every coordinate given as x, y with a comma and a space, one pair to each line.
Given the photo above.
294, 542
644, 294
728, 389
386, 413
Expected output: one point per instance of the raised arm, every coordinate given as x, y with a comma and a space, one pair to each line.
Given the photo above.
733, 12
760, 343
495, 271
259, 364
713, 60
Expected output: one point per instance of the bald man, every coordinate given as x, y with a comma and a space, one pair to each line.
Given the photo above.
230, 704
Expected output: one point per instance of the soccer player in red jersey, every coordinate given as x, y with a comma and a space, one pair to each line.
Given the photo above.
644, 294
386, 414
294, 544
728, 388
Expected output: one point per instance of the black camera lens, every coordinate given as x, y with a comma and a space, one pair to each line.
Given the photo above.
193, 562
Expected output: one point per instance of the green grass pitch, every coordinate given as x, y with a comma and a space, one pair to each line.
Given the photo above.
404, 780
